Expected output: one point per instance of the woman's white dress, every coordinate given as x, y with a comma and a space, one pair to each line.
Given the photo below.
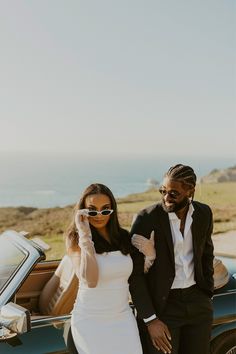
102, 321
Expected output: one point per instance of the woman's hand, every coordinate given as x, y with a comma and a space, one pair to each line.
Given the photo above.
144, 245
147, 247
82, 223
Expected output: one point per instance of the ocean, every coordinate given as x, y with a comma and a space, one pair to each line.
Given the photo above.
46, 181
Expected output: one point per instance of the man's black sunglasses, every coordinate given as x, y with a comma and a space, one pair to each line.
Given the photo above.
172, 194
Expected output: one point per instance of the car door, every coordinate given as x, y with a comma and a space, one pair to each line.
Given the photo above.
18, 256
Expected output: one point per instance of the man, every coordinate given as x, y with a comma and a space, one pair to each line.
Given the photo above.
173, 299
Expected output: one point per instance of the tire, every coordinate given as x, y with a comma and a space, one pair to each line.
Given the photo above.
224, 344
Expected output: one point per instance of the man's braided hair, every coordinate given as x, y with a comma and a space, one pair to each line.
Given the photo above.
183, 174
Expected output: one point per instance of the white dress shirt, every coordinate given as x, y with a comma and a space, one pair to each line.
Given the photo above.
183, 250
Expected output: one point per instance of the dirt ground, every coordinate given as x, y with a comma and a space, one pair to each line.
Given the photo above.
225, 244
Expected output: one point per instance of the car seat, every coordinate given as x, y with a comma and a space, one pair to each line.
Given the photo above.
58, 295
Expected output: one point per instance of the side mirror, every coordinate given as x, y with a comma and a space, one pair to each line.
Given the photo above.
14, 318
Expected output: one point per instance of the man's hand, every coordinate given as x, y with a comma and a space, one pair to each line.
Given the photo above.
160, 336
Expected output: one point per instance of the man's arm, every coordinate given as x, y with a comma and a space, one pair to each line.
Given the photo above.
138, 286
208, 256
158, 331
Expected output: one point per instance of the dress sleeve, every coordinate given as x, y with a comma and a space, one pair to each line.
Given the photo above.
84, 262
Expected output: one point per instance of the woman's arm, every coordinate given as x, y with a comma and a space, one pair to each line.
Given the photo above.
84, 255
85, 263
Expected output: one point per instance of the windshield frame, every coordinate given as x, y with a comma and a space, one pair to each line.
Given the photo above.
33, 254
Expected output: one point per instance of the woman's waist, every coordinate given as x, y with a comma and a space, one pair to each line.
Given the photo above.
101, 308
102, 298
106, 285
103, 292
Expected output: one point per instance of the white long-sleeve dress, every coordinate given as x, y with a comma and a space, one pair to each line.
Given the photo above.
102, 321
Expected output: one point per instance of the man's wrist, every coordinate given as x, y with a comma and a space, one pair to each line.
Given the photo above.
150, 319
147, 324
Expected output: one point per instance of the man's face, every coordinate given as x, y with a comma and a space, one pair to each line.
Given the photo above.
175, 195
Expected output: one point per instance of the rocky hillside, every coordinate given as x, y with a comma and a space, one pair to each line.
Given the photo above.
224, 175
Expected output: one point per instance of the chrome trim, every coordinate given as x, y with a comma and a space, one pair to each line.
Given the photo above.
229, 292
50, 321
224, 320
51, 318
5, 334
232, 350
16, 318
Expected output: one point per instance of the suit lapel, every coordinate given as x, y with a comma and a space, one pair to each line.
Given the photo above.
165, 225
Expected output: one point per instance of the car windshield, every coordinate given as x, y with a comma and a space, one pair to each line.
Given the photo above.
10, 259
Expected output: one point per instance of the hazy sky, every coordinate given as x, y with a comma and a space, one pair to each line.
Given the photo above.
118, 77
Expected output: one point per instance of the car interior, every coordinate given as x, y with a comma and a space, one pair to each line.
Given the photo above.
50, 289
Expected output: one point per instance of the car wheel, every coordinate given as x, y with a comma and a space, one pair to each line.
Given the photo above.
224, 344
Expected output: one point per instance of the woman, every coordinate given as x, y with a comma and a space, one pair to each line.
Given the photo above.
102, 321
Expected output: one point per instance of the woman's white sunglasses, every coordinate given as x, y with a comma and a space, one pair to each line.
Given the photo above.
104, 212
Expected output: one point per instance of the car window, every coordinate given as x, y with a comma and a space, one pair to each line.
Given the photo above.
10, 259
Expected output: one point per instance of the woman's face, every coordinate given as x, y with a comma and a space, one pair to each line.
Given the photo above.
98, 202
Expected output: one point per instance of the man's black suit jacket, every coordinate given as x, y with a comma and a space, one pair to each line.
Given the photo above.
149, 291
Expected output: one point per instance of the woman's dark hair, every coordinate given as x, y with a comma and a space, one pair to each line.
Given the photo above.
119, 237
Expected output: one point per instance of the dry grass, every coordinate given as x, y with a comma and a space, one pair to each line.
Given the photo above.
50, 224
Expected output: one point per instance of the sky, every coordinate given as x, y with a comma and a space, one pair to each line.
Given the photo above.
118, 78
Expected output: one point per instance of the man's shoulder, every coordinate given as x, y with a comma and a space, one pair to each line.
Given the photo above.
151, 209
201, 207
143, 221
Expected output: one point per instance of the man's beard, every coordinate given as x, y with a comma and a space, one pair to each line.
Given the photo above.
175, 206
